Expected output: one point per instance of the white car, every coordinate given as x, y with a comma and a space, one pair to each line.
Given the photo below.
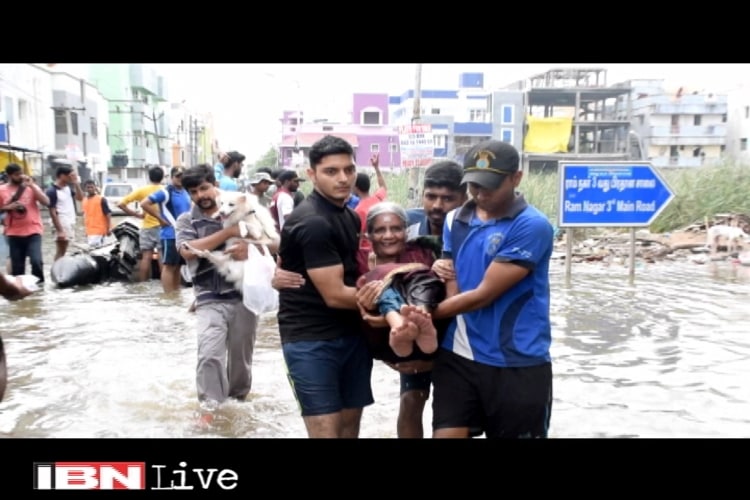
116, 191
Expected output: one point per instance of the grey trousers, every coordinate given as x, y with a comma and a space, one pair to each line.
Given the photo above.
226, 340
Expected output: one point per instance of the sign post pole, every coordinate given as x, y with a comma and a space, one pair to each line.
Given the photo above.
568, 255
631, 273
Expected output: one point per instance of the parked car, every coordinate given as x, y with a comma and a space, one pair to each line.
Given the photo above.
116, 191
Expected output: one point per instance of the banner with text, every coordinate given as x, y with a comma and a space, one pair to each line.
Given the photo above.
416, 144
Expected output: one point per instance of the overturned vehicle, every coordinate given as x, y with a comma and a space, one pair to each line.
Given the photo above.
115, 261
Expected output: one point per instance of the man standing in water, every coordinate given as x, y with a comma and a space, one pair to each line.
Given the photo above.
328, 362
148, 236
62, 207
226, 328
167, 205
443, 190
493, 370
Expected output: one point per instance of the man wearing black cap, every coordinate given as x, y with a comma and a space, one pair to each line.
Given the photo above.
282, 202
493, 371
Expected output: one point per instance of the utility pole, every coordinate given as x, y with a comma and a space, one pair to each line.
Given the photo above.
415, 119
156, 133
191, 139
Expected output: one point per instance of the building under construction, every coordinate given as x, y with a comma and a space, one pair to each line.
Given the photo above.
572, 115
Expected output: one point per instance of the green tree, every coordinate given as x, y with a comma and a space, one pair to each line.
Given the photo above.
270, 159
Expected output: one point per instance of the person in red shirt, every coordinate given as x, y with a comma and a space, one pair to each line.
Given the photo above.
367, 200
23, 221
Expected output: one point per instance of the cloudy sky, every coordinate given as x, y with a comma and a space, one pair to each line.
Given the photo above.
247, 100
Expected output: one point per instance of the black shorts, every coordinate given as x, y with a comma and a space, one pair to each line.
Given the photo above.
504, 402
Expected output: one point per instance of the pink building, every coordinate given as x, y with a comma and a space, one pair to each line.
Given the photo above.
369, 133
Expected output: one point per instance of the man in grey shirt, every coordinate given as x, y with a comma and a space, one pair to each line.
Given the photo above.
226, 328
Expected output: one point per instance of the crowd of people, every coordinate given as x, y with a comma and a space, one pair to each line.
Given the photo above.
453, 296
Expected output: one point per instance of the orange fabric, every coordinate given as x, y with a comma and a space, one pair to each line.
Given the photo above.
93, 216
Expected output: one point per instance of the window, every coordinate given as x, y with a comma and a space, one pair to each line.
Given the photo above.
435, 111
438, 141
743, 144
106, 132
673, 152
327, 128
393, 148
94, 131
9, 118
371, 118
506, 135
724, 118
697, 120
23, 110
74, 123
507, 115
747, 111
477, 115
61, 121
374, 148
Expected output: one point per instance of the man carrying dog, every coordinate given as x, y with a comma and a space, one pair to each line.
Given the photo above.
226, 328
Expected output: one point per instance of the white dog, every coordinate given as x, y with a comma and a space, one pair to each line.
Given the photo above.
256, 226
733, 235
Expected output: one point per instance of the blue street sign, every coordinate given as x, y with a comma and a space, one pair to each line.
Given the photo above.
601, 194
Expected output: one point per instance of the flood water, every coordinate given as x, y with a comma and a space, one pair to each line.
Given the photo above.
666, 357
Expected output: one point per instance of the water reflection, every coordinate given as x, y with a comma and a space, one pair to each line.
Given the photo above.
666, 357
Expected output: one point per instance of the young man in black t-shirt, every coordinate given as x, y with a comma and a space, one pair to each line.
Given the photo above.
327, 359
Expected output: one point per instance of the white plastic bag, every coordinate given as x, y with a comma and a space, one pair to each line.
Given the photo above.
257, 293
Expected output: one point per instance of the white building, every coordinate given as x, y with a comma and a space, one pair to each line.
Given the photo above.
47, 114
27, 132
738, 124
678, 127
81, 118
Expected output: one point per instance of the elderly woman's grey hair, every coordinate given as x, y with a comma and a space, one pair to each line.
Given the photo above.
384, 207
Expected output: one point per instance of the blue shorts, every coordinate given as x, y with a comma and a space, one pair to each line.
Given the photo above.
328, 376
169, 254
390, 301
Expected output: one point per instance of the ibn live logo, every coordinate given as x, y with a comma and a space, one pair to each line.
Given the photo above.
128, 476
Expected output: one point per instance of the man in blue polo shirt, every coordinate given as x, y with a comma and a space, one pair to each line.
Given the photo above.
493, 370
167, 204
